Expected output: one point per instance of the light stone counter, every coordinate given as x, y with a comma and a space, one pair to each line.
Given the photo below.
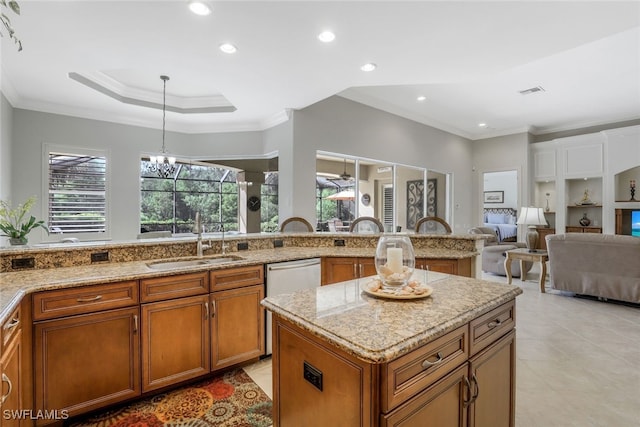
378, 330
14, 285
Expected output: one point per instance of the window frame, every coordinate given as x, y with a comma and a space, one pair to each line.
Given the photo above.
47, 150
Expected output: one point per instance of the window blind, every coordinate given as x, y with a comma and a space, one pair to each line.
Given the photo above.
387, 205
77, 193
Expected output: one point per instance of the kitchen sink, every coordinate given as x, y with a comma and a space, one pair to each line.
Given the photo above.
171, 264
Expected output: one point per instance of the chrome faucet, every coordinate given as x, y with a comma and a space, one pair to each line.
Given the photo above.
223, 247
200, 248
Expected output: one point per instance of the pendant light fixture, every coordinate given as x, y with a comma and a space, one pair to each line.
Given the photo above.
163, 165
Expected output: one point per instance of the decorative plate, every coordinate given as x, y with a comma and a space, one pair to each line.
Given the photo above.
368, 287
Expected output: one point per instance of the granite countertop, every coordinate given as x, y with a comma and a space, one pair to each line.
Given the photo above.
379, 330
14, 285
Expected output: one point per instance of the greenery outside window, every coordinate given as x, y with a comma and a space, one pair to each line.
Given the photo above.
170, 204
269, 203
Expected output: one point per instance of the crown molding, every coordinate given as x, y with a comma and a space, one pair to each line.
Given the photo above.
112, 88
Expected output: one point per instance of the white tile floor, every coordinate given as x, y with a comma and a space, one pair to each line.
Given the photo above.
577, 360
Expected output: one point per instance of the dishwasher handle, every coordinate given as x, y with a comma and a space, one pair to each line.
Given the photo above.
274, 267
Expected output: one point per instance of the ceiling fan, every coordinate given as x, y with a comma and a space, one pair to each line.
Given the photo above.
344, 175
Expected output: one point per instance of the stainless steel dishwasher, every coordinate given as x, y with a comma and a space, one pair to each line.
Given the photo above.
287, 277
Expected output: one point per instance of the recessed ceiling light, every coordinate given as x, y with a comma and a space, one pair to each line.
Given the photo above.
326, 37
482, 125
421, 98
368, 67
199, 8
228, 48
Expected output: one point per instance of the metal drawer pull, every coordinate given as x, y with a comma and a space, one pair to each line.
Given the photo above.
135, 323
355, 271
427, 364
206, 310
495, 323
477, 386
12, 324
213, 309
5, 379
361, 270
467, 399
96, 298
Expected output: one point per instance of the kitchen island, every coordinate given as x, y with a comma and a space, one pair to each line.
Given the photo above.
342, 357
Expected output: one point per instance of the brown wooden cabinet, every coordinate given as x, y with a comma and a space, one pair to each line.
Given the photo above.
465, 378
580, 229
441, 405
460, 267
492, 373
237, 318
175, 341
340, 269
174, 329
543, 233
86, 361
237, 326
11, 370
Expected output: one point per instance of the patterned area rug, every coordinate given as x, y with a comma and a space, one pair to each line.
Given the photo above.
232, 399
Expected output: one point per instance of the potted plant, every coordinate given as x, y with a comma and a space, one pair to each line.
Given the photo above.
15, 8
13, 224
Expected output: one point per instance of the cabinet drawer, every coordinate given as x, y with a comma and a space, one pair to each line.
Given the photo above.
236, 277
183, 285
87, 299
442, 403
492, 325
10, 327
413, 372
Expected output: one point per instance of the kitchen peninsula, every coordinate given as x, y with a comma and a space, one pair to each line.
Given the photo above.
116, 295
342, 357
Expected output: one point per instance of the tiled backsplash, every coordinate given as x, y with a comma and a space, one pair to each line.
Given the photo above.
76, 254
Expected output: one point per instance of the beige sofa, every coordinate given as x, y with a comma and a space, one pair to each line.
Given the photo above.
493, 253
601, 265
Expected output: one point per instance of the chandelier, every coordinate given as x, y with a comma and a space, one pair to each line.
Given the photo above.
163, 164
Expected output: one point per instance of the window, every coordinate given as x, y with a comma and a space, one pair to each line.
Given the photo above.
334, 200
170, 204
387, 204
76, 193
269, 205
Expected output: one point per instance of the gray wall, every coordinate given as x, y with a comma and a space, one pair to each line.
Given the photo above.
335, 125
126, 144
6, 126
502, 153
343, 126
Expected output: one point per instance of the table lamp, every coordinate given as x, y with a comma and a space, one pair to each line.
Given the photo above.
532, 217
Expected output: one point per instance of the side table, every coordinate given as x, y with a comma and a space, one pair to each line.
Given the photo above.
524, 255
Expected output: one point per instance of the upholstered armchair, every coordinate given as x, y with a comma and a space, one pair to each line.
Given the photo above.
493, 254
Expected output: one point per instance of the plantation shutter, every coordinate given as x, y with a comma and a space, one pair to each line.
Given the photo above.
77, 193
387, 205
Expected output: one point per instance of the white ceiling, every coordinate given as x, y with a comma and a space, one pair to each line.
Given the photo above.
469, 59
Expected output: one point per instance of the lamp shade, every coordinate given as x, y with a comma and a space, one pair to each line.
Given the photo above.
532, 216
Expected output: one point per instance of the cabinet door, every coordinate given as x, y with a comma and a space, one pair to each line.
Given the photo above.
441, 405
88, 361
237, 326
493, 381
440, 265
175, 341
11, 372
339, 269
366, 267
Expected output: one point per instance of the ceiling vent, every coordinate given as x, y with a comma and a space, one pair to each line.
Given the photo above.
531, 90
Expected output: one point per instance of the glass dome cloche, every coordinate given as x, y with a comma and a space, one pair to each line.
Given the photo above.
395, 260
